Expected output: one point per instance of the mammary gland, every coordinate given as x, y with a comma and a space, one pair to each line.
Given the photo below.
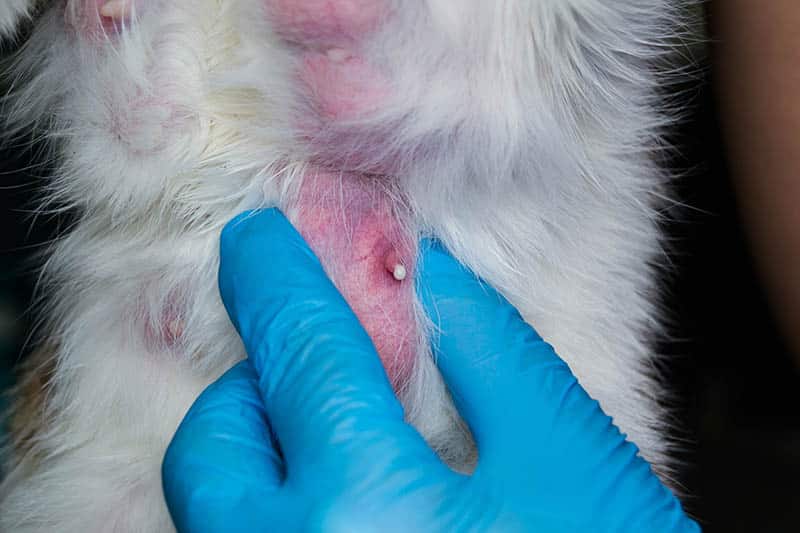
520, 133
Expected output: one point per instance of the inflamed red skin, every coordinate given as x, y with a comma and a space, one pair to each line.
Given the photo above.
357, 231
351, 220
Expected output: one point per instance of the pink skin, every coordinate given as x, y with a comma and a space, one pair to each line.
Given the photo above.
349, 219
84, 17
339, 87
165, 333
352, 226
342, 88
337, 79
325, 24
168, 334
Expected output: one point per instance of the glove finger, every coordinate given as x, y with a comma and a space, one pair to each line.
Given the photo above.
222, 467
325, 390
533, 423
502, 375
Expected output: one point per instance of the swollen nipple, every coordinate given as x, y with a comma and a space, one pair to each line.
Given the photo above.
394, 266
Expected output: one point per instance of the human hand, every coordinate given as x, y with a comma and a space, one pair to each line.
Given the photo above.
307, 434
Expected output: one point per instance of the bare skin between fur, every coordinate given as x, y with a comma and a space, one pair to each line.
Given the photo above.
519, 132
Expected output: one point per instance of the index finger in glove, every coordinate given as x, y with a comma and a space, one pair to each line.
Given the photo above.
508, 384
326, 393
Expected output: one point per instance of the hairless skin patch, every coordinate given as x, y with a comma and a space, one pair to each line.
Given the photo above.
353, 225
352, 221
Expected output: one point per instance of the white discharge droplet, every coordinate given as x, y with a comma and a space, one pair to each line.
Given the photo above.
399, 272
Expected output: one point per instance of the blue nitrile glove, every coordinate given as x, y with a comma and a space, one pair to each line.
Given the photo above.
307, 435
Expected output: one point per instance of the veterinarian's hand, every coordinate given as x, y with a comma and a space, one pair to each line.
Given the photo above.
550, 459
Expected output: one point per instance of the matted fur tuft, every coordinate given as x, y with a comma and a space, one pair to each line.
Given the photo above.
544, 178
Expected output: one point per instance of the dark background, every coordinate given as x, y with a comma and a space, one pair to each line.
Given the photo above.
737, 380
737, 386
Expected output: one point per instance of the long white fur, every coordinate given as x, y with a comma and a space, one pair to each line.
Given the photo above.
547, 125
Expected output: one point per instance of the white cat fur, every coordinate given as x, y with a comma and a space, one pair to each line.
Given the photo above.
545, 182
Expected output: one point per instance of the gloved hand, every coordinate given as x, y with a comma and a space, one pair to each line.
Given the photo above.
307, 435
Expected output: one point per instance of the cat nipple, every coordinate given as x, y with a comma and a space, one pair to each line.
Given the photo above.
338, 55
116, 9
395, 267
173, 330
